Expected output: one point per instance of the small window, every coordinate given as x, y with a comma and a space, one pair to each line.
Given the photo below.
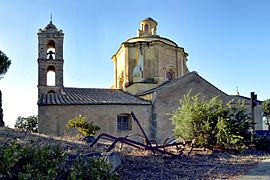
169, 76
146, 28
124, 122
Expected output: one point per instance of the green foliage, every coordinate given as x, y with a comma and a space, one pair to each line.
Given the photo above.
266, 107
4, 64
212, 123
28, 124
49, 162
85, 128
266, 111
28, 162
99, 169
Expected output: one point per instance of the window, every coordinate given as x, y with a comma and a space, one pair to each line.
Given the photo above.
170, 74
124, 122
51, 76
146, 28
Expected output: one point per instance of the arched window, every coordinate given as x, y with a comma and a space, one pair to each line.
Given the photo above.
51, 49
170, 74
51, 76
146, 28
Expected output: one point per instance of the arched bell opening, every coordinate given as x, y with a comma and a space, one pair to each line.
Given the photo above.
51, 76
51, 49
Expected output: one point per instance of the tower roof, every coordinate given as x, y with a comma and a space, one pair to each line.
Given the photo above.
50, 26
150, 19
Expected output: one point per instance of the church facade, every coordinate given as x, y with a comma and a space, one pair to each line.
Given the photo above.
150, 78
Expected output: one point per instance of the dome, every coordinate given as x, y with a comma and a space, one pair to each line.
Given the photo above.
151, 39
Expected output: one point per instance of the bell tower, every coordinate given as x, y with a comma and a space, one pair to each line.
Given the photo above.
50, 60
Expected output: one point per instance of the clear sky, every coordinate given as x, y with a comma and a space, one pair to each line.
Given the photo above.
228, 42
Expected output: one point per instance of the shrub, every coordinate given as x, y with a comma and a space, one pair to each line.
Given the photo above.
266, 112
99, 168
212, 123
49, 162
27, 123
85, 128
28, 162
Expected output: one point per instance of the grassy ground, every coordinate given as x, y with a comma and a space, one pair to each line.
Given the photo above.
139, 164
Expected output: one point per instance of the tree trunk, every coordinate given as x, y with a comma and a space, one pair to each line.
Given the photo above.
2, 123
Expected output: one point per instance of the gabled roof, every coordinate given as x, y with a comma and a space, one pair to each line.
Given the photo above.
91, 96
238, 97
168, 83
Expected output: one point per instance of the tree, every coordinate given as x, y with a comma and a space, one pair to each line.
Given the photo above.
4, 65
266, 111
85, 128
212, 123
2, 123
27, 123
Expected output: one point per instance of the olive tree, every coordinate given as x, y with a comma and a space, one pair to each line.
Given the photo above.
27, 123
212, 123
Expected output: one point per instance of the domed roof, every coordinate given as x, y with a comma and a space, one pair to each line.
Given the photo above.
151, 39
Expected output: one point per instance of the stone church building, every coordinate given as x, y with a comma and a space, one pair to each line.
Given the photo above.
150, 77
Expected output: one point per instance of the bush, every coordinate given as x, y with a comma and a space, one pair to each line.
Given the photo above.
27, 124
19, 162
85, 128
262, 140
212, 123
99, 169
49, 162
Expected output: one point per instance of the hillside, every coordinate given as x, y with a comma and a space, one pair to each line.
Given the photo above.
138, 164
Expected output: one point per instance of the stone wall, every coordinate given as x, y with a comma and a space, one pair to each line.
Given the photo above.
53, 119
167, 99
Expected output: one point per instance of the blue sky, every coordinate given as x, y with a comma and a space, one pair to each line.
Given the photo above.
228, 42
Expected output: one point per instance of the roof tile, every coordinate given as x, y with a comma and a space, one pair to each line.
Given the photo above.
87, 96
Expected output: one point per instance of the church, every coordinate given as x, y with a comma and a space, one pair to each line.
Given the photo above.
150, 77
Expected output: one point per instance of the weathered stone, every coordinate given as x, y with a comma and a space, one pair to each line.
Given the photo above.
114, 158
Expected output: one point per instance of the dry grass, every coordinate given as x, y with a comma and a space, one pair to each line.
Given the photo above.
138, 164
71, 145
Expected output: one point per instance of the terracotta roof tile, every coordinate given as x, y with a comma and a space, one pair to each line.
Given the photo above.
87, 96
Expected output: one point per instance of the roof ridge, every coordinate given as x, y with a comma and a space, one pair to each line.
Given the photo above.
175, 80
